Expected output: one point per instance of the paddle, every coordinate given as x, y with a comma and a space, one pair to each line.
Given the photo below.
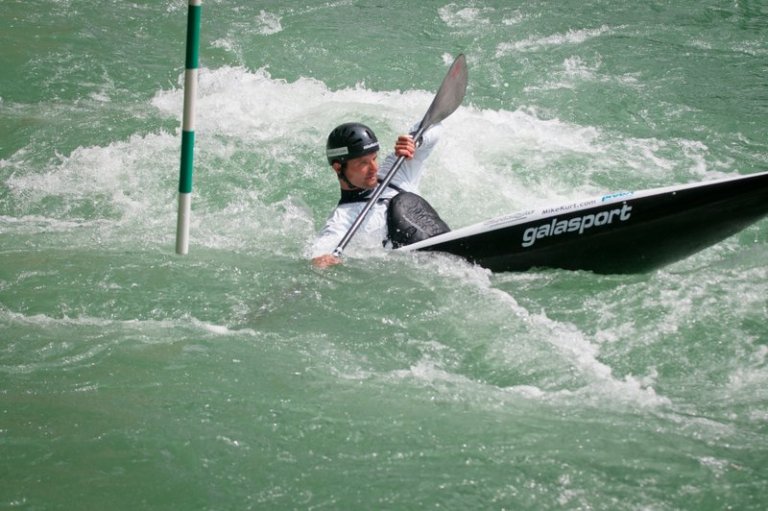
447, 100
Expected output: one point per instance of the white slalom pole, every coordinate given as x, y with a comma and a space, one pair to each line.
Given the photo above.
188, 126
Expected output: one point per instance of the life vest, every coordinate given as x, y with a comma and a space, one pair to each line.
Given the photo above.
410, 218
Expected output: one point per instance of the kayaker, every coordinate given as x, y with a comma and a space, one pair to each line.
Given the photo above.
352, 151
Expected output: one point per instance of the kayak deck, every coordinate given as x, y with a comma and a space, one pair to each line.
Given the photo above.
628, 232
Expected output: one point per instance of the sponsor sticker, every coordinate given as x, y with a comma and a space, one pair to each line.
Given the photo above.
339, 151
616, 195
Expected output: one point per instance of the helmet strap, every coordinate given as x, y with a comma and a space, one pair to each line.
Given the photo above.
341, 173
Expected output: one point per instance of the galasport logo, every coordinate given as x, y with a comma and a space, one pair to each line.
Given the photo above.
577, 224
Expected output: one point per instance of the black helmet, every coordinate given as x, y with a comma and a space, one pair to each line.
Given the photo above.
350, 140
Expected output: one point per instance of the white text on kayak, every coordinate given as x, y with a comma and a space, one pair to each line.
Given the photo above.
577, 224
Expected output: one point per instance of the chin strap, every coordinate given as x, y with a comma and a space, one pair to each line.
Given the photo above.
343, 177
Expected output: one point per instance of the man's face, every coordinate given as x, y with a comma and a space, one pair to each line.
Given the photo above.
362, 172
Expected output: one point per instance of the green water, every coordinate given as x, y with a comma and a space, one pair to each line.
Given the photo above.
238, 377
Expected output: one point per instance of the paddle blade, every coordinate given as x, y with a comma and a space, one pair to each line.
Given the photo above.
450, 95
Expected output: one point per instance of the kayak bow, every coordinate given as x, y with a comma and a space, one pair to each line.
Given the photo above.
625, 232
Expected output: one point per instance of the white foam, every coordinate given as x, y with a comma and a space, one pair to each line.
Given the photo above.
106, 174
252, 105
49, 322
428, 371
512, 152
268, 23
571, 37
30, 224
222, 330
455, 16
474, 18
568, 362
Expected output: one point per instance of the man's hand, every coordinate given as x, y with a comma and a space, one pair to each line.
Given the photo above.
404, 146
325, 260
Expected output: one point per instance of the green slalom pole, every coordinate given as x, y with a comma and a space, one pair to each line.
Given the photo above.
188, 127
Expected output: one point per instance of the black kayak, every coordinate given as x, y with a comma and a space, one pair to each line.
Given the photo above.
624, 232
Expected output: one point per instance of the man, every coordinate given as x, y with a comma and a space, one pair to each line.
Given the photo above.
352, 151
